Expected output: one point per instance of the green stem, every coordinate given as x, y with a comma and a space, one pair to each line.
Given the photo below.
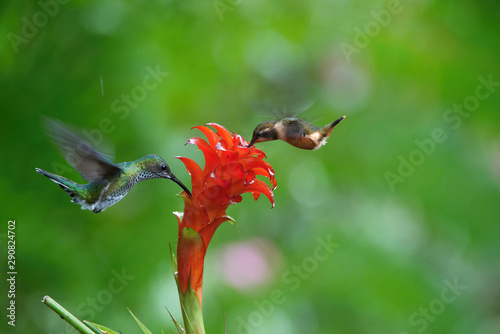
63, 313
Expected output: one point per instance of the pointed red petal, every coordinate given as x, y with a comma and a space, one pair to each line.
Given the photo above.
236, 199
179, 216
213, 139
208, 231
251, 163
211, 158
223, 133
249, 177
194, 170
252, 151
263, 172
257, 186
239, 141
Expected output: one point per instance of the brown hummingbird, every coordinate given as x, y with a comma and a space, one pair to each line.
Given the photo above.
294, 131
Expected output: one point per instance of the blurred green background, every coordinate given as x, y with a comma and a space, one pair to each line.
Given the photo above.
407, 187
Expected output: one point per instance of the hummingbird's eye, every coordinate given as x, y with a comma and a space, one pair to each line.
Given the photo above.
163, 167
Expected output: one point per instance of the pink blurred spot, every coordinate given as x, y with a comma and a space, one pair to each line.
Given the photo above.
248, 264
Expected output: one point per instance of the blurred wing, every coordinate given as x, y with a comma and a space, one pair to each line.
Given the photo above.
280, 111
269, 108
302, 107
90, 163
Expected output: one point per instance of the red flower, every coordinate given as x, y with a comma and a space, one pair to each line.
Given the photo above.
230, 170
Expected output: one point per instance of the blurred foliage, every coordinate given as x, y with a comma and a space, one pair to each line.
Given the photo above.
399, 246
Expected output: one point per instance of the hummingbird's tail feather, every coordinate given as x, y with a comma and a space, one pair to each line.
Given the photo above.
332, 125
67, 185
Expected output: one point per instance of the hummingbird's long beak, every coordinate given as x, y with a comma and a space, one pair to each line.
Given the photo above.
253, 141
176, 180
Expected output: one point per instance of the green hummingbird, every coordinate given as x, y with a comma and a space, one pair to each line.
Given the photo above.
294, 131
108, 182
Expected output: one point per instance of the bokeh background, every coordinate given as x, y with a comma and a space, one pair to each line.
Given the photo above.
407, 188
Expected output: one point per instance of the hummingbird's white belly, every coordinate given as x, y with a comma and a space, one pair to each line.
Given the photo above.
102, 204
105, 200
318, 138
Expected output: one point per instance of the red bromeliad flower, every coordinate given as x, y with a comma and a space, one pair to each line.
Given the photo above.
230, 170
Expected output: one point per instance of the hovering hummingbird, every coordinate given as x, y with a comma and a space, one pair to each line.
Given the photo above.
294, 131
109, 182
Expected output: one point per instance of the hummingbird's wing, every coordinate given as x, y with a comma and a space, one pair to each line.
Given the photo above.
268, 108
281, 110
93, 165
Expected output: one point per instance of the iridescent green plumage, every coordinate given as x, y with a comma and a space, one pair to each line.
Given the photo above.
109, 182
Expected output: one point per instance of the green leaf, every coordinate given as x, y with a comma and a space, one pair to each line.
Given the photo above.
94, 329
144, 328
176, 323
99, 328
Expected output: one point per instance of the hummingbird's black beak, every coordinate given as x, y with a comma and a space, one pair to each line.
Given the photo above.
176, 180
252, 142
